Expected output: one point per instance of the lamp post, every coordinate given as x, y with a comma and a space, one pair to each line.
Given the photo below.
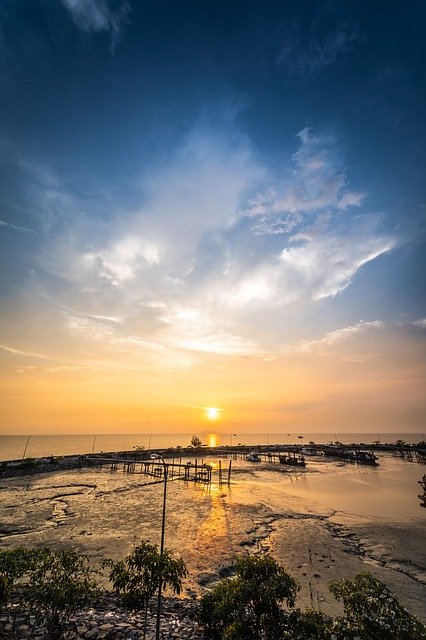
93, 445
26, 446
155, 456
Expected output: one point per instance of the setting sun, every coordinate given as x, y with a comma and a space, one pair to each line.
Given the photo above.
212, 413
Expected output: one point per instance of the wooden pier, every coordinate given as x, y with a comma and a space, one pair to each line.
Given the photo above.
189, 472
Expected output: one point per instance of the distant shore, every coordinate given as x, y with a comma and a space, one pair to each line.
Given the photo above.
45, 464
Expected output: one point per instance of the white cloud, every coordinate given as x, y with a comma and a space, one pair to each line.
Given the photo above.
122, 261
338, 335
351, 199
8, 225
314, 183
190, 266
97, 15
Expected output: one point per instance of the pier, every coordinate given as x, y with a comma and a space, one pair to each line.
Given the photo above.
189, 472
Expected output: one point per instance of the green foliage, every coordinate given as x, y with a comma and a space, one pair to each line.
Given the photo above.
139, 448
248, 606
4, 589
196, 442
373, 612
307, 625
138, 576
58, 585
14, 563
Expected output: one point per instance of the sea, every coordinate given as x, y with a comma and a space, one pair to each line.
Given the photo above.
15, 447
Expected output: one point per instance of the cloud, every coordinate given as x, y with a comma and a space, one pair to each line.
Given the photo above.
8, 225
215, 242
97, 15
304, 54
315, 181
26, 354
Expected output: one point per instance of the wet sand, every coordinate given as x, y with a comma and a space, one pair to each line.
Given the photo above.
331, 521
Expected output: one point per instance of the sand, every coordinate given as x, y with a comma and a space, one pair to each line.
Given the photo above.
266, 509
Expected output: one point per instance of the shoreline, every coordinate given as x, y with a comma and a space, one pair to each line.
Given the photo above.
100, 513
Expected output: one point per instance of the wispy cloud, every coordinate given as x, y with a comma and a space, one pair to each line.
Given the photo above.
97, 15
304, 53
26, 354
13, 227
216, 239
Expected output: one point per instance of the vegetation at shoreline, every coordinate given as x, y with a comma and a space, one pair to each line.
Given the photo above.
258, 603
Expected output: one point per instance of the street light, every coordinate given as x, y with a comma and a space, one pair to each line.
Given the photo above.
26, 446
155, 456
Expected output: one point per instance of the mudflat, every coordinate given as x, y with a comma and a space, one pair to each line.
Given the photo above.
326, 522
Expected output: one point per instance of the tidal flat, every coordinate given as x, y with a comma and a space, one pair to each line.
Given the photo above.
329, 521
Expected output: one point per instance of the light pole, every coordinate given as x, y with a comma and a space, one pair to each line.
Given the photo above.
93, 445
155, 456
26, 446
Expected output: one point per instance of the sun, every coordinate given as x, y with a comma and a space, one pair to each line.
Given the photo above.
212, 413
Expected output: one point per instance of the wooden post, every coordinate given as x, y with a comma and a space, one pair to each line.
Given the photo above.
220, 472
229, 472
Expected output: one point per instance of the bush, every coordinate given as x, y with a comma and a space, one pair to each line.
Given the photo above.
4, 590
373, 612
247, 607
137, 577
307, 625
14, 563
196, 442
58, 585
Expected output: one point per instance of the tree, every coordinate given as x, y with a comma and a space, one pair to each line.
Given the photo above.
196, 442
58, 585
137, 577
14, 563
373, 612
247, 607
4, 589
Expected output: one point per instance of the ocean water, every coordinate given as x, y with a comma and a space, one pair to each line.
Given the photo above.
14, 447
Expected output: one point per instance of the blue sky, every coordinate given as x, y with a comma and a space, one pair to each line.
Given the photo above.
186, 185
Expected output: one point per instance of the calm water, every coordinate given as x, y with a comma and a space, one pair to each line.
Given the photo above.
13, 447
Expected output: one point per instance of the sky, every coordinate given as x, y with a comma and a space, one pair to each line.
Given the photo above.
212, 205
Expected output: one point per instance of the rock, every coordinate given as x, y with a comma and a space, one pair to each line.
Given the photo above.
23, 630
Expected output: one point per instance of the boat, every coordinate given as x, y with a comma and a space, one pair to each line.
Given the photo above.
351, 455
253, 456
292, 460
310, 451
362, 457
421, 455
422, 496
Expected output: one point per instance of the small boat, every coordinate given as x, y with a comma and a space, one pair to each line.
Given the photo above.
253, 456
421, 455
310, 451
351, 455
362, 457
422, 496
292, 460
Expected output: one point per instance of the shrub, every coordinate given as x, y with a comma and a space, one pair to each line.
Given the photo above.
137, 577
58, 585
247, 606
4, 589
307, 625
196, 442
373, 612
14, 563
